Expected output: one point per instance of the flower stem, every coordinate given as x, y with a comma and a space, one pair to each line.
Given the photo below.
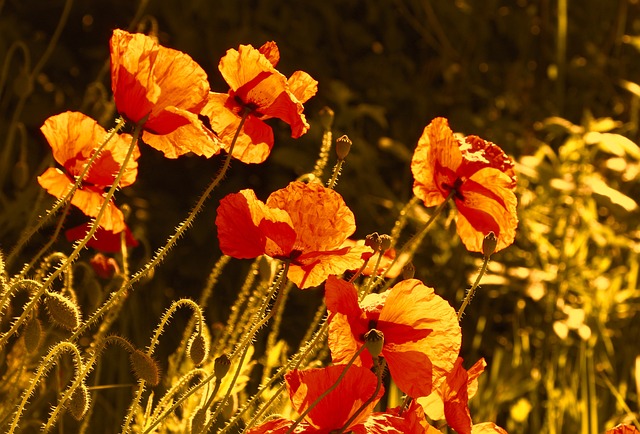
472, 290
411, 245
328, 391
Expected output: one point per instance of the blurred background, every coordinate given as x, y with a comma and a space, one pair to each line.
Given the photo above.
554, 82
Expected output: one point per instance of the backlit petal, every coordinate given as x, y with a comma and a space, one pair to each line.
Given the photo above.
238, 233
341, 297
492, 428
302, 86
339, 405
311, 269
411, 370
103, 240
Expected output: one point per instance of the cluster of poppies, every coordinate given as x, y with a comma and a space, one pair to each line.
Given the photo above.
306, 225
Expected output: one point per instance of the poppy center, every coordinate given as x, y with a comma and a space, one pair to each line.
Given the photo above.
251, 107
455, 188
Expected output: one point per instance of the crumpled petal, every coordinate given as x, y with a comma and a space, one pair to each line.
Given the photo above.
88, 199
311, 269
492, 428
340, 404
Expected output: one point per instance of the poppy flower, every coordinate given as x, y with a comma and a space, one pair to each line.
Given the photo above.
450, 400
306, 224
411, 421
335, 409
167, 88
103, 266
73, 138
477, 173
387, 259
421, 332
103, 240
622, 429
258, 89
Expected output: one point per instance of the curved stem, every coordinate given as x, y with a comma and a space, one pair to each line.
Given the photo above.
472, 290
328, 391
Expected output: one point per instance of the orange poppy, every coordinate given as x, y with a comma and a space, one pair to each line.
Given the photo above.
103, 240
165, 86
73, 138
450, 400
387, 258
306, 224
477, 173
421, 332
411, 421
258, 87
622, 429
335, 409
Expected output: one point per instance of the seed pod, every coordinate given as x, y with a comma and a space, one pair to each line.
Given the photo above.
144, 367
198, 348
79, 402
343, 146
62, 311
489, 244
374, 341
221, 366
326, 117
32, 334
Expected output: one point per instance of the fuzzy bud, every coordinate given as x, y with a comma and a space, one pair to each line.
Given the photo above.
144, 367
489, 244
79, 402
198, 348
199, 420
343, 146
32, 334
374, 341
408, 271
62, 311
326, 118
221, 366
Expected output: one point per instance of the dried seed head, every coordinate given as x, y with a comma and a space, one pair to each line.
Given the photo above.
62, 311
343, 146
32, 334
408, 271
489, 244
326, 118
144, 367
221, 366
199, 420
79, 402
198, 348
374, 340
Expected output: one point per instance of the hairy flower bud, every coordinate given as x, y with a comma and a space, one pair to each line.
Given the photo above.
32, 334
79, 402
221, 366
199, 420
198, 348
62, 311
144, 367
385, 242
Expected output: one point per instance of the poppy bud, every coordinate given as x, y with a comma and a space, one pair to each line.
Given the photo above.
199, 420
343, 145
373, 241
32, 334
221, 366
489, 244
385, 242
62, 311
326, 118
408, 271
79, 402
374, 340
198, 348
144, 367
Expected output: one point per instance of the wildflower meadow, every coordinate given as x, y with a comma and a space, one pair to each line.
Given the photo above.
207, 226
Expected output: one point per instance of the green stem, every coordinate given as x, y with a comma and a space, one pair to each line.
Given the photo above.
473, 288
328, 391
334, 176
379, 368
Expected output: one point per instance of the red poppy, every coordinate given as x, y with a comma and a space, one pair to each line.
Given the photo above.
421, 332
478, 174
103, 240
622, 429
335, 409
450, 400
166, 87
258, 87
104, 266
411, 421
306, 224
73, 138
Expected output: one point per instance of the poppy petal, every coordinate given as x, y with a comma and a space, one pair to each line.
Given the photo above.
190, 136
342, 341
239, 67
311, 269
341, 297
411, 370
277, 426
327, 227
332, 412
492, 428
88, 199
238, 234
103, 240
271, 52
302, 86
